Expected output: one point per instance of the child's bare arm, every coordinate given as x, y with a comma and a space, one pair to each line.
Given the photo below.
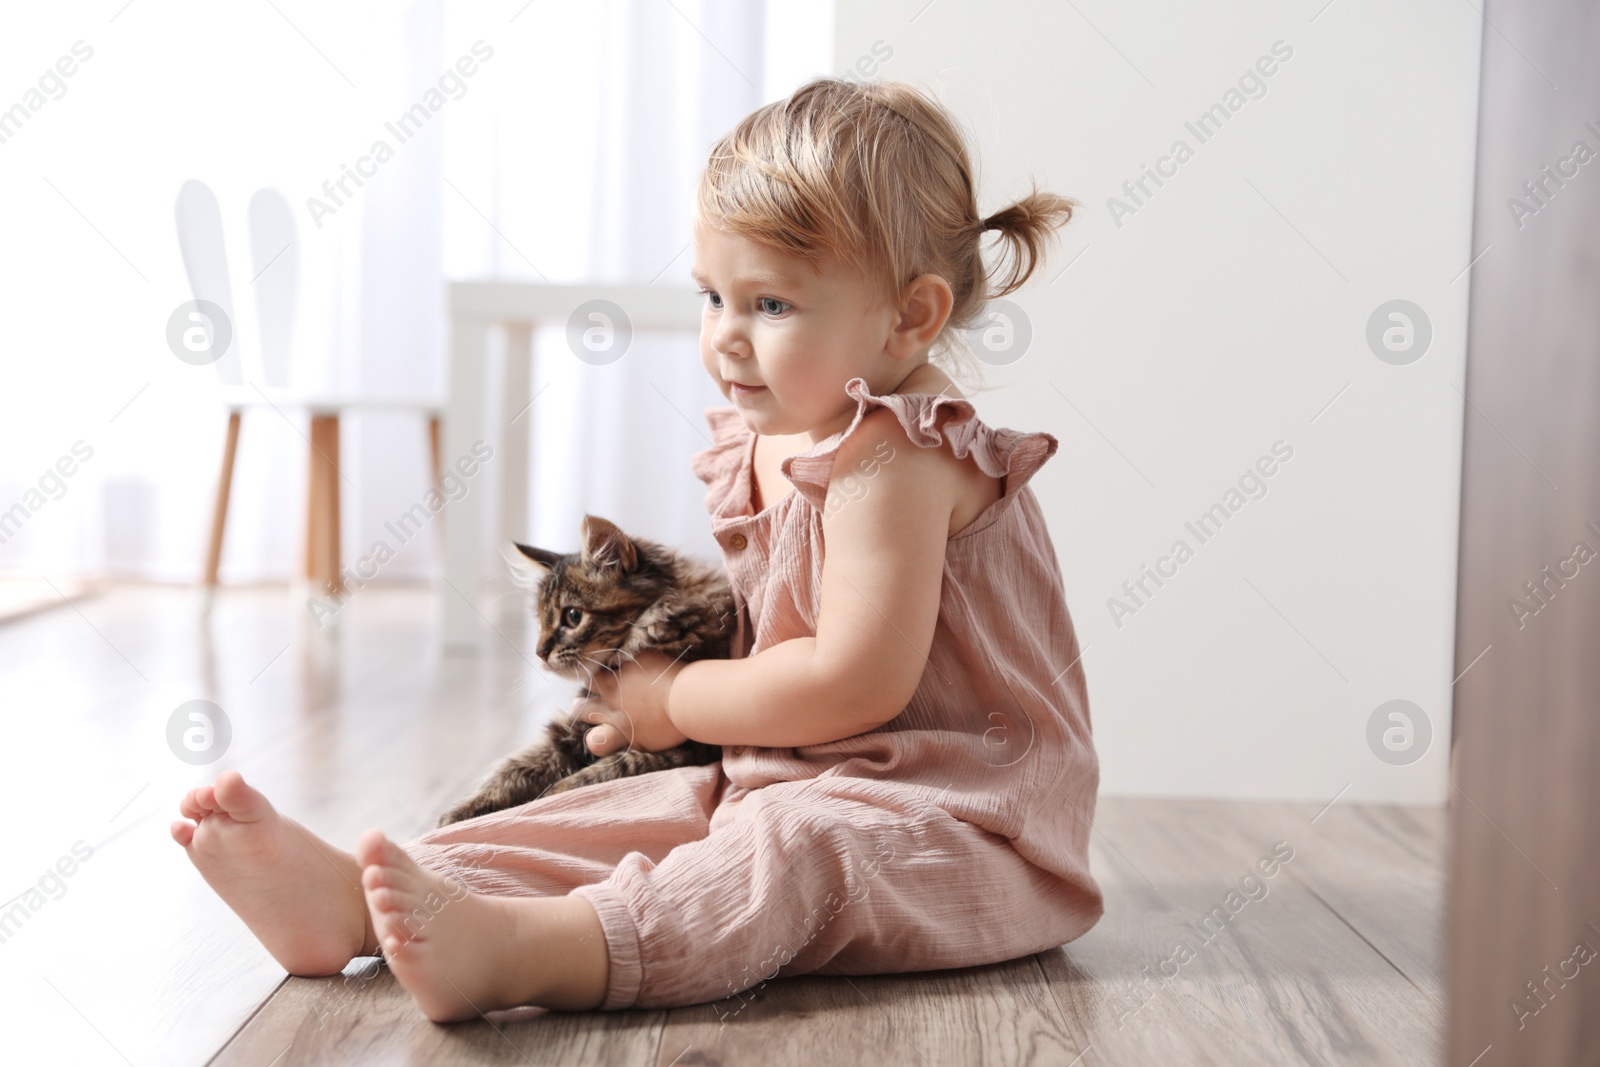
880, 601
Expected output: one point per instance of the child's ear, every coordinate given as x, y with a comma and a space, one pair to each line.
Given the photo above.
605, 544
924, 309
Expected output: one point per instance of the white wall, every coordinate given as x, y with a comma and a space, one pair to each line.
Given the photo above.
1221, 316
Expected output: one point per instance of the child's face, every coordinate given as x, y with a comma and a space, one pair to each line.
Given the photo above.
771, 322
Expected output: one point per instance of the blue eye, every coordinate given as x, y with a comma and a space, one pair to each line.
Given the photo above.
771, 305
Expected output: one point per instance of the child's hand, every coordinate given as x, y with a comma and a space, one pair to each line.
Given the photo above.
633, 706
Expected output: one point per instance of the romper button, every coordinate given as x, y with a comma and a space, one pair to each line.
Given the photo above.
738, 750
738, 541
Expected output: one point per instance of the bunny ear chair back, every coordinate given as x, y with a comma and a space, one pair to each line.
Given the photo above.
205, 261
275, 279
204, 250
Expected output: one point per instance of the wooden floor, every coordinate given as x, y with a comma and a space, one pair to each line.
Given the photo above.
131, 960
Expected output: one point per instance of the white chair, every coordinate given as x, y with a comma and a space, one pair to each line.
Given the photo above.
519, 308
275, 269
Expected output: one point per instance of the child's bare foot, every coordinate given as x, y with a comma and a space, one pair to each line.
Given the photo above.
460, 954
298, 894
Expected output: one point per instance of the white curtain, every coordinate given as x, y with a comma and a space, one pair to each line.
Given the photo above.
594, 168
569, 155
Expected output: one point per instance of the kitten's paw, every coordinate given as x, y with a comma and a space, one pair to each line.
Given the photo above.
467, 809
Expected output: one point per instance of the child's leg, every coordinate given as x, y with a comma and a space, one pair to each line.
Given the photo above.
554, 844
303, 898
299, 895
799, 876
520, 939
834, 876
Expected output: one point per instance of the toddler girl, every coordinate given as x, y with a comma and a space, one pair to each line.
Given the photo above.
908, 779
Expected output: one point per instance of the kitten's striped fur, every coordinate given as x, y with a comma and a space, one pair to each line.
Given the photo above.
598, 608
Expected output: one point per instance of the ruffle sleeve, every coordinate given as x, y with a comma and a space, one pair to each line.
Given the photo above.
929, 421
718, 466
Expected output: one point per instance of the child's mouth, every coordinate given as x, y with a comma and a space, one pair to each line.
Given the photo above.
746, 390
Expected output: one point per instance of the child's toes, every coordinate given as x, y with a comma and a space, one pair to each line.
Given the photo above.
375, 876
242, 802
371, 848
191, 807
393, 921
384, 868
183, 832
384, 901
377, 853
392, 936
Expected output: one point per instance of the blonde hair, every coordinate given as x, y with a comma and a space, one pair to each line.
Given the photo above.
876, 175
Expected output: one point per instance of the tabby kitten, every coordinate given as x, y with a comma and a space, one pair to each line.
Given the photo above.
598, 608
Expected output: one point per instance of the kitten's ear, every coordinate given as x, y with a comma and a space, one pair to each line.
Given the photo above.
605, 544
529, 565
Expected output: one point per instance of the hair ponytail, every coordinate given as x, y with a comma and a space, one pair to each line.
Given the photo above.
1024, 227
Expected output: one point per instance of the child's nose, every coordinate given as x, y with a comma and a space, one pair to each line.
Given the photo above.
727, 340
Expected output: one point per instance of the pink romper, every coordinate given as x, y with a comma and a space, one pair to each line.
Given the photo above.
956, 834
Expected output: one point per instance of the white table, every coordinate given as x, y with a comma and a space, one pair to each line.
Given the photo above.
476, 308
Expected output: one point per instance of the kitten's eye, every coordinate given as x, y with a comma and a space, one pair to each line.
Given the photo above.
571, 617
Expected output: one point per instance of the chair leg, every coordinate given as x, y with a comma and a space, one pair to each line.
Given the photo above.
433, 447
219, 510
433, 452
322, 507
